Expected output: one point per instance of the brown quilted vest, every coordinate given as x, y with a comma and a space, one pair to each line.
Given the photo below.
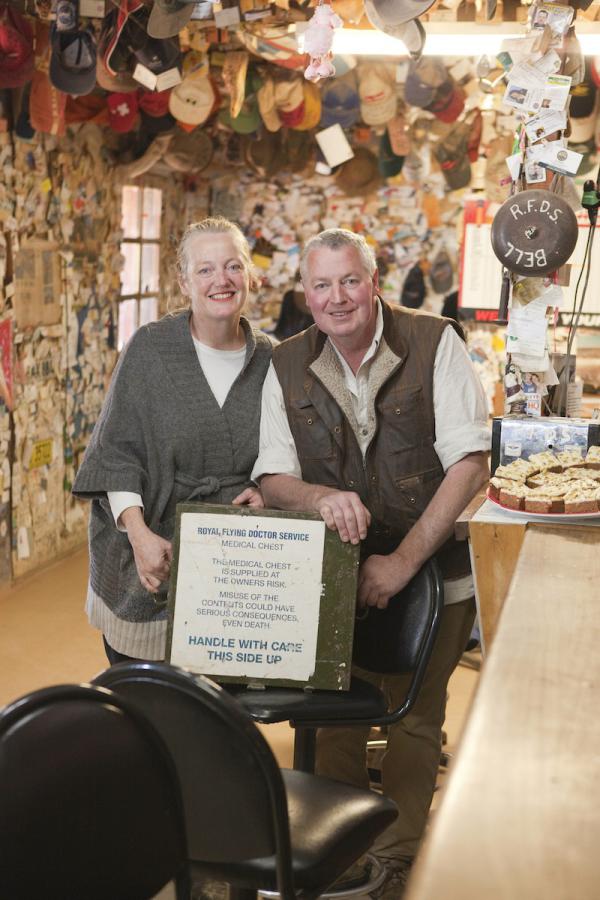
401, 470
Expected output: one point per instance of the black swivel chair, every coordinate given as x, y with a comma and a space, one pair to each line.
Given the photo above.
248, 823
90, 806
397, 640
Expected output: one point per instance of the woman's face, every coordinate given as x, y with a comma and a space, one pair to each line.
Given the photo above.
216, 279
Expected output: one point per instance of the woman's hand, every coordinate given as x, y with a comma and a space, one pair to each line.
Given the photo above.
250, 497
153, 556
152, 553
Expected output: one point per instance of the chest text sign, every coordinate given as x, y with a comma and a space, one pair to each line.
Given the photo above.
249, 600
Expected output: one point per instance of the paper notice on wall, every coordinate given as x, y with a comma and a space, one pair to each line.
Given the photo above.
36, 298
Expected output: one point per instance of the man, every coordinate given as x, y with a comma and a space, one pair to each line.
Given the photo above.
375, 418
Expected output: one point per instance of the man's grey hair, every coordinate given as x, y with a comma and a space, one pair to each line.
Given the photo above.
336, 239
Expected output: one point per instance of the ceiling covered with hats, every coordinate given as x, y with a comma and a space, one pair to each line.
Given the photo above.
247, 109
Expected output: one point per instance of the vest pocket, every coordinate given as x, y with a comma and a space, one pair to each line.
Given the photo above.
416, 491
402, 418
312, 437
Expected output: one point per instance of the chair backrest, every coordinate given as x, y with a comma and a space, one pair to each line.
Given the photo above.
233, 793
396, 639
90, 806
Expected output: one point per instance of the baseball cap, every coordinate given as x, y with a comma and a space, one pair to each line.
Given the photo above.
122, 111
16, 48
193, 100
113, 42
169, 17
156, 55
441, 273
281, 103
389, 163
448, 102
413, 289
422, 80
376, 88
340, 103
451, 153
73, 61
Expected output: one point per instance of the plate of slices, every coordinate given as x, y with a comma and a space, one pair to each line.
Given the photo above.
546, 516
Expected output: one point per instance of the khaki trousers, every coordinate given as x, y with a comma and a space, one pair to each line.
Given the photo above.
412, 757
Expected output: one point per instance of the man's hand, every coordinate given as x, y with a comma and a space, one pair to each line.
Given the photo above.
344, 512
251, 496
381, 577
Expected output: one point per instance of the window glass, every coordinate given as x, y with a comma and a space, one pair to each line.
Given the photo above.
130, 274
130, 211
150, 271
152, 203
127, 321
148, 310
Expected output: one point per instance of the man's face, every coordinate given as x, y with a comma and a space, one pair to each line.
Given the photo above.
341, 294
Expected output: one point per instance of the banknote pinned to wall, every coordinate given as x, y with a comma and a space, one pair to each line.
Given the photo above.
37, 284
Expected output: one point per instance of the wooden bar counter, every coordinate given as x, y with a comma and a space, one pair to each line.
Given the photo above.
520, 819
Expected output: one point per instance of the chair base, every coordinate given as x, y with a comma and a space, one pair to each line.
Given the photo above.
376, 879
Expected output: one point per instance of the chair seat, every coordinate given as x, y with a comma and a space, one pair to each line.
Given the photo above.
331, 825
361, 701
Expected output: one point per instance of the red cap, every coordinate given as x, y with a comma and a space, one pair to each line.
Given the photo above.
16, 49
453, 108
293, 117
122, 111
154, 103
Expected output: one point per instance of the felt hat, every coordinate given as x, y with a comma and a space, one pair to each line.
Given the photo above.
264, 155
16, 48
396, 12
360, 175
377, 91
169, 17
189, 153
193, 100
340, 103
411, 33
73, 61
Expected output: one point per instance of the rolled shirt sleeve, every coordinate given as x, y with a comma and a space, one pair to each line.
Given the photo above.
460, 403
120, 500
277, 450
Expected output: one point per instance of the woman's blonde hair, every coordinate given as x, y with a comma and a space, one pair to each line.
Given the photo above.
215, 225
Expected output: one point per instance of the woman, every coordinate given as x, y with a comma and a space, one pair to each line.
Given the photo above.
180, 422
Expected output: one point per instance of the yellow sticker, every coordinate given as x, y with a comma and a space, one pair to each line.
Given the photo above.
263, 262
46, 185
41, 454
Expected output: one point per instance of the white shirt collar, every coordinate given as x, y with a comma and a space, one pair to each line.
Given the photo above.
374, 344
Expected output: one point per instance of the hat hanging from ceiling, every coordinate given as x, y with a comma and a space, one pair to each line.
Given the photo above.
122, 112
16, 48
396, 12
169, 17
157, 55
451, 153
441, 273
73, 61
235, 70
360, 175
311, 109
340, 103
190, 153
193, 100
422, 79
265, 155
281, 102
113, 43
398, 135
86, 108
390, 163
411, 33
377, 91
46, 104
413, 289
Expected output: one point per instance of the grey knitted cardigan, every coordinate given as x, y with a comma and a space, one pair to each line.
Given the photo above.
162, 434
